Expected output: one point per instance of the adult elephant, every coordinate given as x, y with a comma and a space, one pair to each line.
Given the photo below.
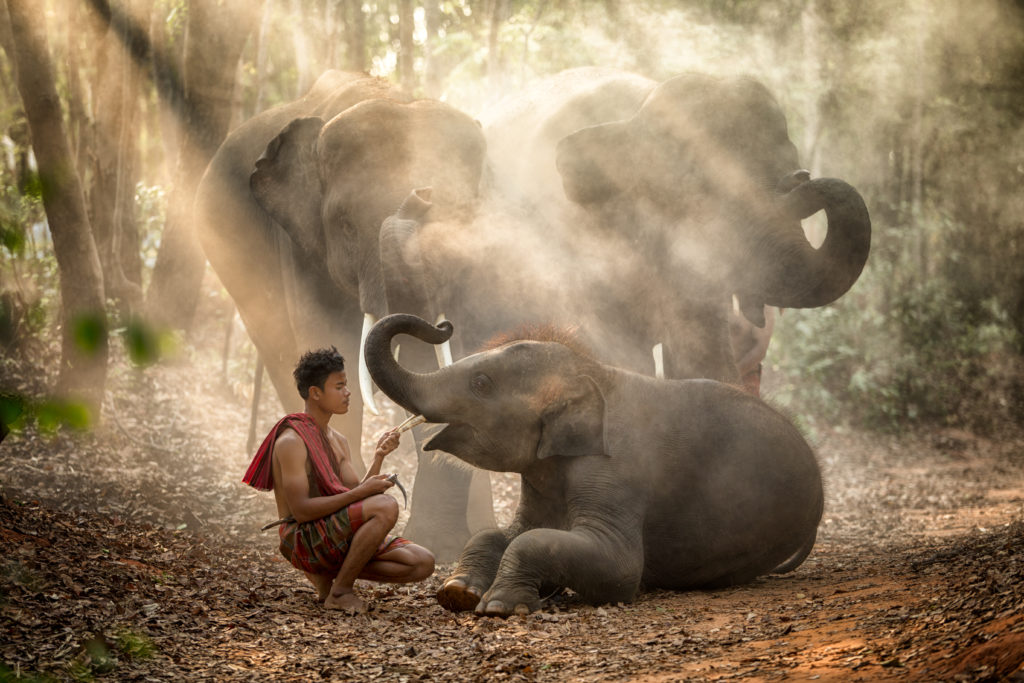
674, 197
289, 213
627, 480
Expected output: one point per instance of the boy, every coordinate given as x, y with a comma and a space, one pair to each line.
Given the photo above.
335, 526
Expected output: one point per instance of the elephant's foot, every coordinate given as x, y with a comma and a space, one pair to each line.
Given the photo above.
504, 603
456, 596
496, 608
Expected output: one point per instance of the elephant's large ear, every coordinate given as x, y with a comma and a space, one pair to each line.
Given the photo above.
573, 424
287, 185
595, 162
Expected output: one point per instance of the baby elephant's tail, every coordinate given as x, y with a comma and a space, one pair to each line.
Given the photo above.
797, 558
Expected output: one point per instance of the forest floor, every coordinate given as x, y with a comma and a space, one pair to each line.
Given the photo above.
133, 552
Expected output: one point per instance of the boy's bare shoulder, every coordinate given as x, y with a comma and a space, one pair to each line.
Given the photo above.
339, 441
289, 443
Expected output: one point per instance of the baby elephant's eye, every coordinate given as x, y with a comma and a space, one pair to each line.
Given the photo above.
482, 385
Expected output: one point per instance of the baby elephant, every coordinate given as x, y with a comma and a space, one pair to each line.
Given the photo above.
627, 480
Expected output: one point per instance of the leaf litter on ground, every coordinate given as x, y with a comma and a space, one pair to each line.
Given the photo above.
134, 551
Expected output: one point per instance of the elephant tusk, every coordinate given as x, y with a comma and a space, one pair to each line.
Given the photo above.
444, 350
410, 423
659, 360
365, 383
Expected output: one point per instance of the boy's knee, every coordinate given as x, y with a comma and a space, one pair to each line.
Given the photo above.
384, 507
423, 565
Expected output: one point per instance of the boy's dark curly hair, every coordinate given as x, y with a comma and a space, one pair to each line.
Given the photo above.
314, 367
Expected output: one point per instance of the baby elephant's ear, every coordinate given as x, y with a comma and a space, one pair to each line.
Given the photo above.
573, 423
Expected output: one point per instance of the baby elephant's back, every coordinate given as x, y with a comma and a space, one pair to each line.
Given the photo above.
740, 494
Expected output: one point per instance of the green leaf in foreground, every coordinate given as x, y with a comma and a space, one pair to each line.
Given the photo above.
51, 415
89, 332
142, 341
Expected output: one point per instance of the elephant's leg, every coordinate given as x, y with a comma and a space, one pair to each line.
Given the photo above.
599, 569
437, 512
476, 569
480, 513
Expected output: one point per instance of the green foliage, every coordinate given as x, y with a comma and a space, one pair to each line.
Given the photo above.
89, 332
151, 213
12, 236
99, 657
927, 357
145, 343
26, 283
12, 411
32, 186
134, 645
53, 414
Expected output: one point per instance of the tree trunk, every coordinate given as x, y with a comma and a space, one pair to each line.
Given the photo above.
495, 18
79, 129
167, 66
431, 71
261, 55
407, 50
112, 199
634, 34
215, 36
83, 368
330, 33
300, 44
355, 35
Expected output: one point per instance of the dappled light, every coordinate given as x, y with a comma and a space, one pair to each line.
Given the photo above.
816, 203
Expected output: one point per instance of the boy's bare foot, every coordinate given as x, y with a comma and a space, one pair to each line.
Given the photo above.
347, 602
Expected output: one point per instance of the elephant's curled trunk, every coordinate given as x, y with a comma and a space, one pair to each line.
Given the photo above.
802, 276
407, 389
401, 259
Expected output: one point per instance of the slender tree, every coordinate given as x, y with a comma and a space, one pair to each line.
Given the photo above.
215, 36
83, 366
431, 70
407, 50
355, 35
112, 197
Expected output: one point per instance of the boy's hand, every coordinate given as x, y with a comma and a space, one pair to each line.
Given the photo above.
387, 443
378, 483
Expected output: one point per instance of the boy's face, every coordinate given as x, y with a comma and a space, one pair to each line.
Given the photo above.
335, 395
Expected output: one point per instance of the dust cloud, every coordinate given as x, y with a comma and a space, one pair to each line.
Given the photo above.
627, 269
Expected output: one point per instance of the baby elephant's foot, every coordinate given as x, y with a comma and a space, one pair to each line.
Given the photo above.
459, 595
497, 603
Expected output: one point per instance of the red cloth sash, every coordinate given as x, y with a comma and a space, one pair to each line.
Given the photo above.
326, 471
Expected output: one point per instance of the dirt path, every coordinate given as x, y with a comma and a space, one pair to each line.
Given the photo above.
138, 557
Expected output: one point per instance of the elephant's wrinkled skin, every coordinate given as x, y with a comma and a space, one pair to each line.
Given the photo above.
627, 480
289, 213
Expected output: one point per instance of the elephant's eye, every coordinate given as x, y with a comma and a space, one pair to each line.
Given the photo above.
482, 386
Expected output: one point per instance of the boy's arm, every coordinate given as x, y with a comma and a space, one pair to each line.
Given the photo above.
387, 443
290, 452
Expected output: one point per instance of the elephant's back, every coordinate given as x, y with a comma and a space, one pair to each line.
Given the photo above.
745, 496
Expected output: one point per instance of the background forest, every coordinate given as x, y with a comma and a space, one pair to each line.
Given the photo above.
110, 110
